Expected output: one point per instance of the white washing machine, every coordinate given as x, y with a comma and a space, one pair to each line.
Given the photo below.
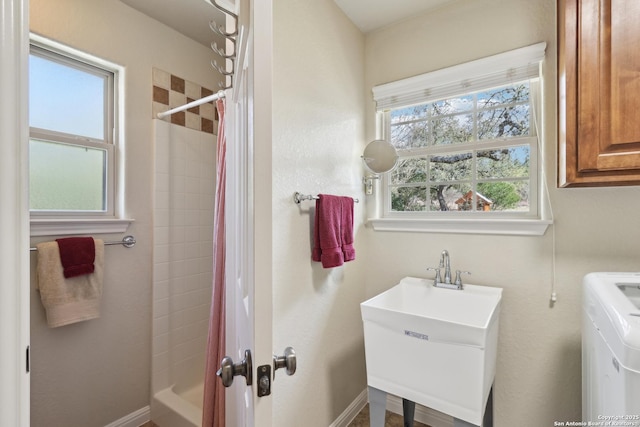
611, 349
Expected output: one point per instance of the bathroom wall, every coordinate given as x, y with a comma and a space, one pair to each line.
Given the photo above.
318, 137
538, 378
95, 372
98, 371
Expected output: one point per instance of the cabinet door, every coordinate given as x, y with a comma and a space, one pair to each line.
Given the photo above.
599, 92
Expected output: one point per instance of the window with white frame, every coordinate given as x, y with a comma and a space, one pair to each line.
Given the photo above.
467, 140
72, 150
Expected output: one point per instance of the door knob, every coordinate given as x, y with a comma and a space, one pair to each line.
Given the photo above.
228, 369
287, 361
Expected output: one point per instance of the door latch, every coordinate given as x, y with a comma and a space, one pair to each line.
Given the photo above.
264, 380
288, 361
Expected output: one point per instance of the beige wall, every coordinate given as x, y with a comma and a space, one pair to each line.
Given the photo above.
323, 115
318, 137
538, 373
93, 373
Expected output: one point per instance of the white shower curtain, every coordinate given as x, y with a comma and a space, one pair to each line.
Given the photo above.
213, 406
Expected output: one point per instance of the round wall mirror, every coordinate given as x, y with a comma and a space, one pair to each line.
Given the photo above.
379, 156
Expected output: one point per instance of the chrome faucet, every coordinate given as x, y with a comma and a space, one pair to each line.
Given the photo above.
445, 262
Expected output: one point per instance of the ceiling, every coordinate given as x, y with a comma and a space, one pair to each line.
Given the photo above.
189, 17
369, 15
192, 17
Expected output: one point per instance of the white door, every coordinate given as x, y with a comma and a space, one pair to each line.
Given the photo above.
14, 214
248, 214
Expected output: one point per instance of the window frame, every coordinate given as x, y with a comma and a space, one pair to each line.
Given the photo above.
500, 70
111, 219
477, 145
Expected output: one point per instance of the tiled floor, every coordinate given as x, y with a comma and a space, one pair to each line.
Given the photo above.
362, 420
391, 420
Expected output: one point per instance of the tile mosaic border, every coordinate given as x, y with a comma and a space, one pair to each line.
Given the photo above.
170, 91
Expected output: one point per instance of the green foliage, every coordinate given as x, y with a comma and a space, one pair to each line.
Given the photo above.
502, 194
409, 199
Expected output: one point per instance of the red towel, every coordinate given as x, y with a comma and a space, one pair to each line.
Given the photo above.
333, 231
77, 255
347, 229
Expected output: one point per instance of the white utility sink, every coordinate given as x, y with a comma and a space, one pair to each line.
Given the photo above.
434, 346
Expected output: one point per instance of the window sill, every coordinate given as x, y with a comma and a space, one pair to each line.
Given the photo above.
509, 227
62, 227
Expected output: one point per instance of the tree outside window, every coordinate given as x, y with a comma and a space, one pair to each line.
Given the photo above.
470, 153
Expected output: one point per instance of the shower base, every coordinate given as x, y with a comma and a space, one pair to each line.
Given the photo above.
178, 408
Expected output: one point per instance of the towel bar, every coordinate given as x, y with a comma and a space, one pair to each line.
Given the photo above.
299, 197
127, 242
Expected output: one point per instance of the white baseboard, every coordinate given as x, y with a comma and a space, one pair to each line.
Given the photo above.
134, 419
424, 415
352, 411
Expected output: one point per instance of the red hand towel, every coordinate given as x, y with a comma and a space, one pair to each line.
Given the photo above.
347, 229
77, 255
327, 235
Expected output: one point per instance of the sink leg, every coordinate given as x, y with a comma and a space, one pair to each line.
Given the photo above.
377, 407
487, 420
408, 412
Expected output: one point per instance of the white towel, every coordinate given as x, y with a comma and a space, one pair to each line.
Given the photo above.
69, 300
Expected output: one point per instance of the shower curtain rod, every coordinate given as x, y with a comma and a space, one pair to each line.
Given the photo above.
192, 104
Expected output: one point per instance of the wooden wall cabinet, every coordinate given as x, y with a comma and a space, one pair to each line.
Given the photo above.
598, 92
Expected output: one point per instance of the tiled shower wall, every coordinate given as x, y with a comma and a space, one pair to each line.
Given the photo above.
170, 91
183, 252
